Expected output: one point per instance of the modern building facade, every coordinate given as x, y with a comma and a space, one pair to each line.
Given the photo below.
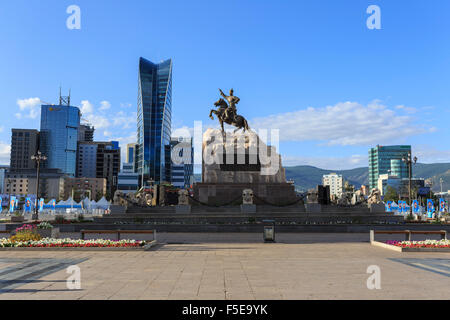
336, 183
182, 168
87, 159
108, 164
86, 133
400, 185
24, 144
23, 183
154, 112
93, 188
99, 160
131, 155
59, 136
3, 171
128, 180
380, 162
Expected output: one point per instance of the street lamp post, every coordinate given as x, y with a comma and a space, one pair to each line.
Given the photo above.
409, 162
38, 157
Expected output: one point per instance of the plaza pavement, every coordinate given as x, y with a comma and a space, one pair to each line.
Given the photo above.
230, 266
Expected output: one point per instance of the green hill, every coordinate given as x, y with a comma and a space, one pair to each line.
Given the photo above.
307, 177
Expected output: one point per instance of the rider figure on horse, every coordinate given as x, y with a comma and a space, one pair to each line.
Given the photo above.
230, 112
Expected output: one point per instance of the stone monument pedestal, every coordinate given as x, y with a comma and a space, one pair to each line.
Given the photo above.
377, 208
115, 209
182, 208
248, 208
225, 193
313, 207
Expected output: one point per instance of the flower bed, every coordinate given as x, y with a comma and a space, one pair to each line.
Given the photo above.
421, 244
71, 243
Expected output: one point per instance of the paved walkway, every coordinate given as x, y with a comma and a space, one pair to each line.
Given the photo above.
306, 266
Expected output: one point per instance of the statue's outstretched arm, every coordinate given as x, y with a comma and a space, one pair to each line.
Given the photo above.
222, 94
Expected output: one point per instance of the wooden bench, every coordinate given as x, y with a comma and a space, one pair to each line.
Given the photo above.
407, 233
118, 232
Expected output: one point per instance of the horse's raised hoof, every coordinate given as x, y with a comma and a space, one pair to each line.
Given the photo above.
211, 117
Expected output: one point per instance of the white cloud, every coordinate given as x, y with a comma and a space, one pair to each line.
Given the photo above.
429, 154
30, 107
125, 105
347, 123
406, 109
124, 120
86, 107
105, 105
5, 152
98, 121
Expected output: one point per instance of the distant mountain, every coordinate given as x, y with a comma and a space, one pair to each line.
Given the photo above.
307, 177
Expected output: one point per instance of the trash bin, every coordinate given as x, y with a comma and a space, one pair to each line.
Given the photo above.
269, 231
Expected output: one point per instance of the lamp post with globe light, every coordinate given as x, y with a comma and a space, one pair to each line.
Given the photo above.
409, 162
38, 157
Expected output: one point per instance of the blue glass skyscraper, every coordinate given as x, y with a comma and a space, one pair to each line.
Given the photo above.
154, 118
59, 136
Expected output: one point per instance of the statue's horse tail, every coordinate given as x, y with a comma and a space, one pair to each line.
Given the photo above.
246, 125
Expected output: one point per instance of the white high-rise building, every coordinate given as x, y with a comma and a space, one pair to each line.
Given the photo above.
336, 183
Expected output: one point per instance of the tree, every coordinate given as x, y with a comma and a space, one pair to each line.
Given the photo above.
391, 194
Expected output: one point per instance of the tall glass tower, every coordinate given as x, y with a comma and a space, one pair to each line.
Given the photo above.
385, 158
154, 118
59, 136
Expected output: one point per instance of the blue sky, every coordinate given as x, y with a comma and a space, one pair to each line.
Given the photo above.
312, 69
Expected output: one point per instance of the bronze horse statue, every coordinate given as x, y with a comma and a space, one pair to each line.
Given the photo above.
233, 119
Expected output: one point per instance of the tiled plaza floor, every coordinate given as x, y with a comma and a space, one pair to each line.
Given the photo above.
230, 266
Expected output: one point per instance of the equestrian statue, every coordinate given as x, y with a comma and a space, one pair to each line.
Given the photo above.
227, 112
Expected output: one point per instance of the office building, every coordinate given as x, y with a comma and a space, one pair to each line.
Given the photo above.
131, 155
182, 168
59, 136
128, 179
335, 182
108, 164
380, 162
86, 133
3, 171
24, 144
154, 111
92, 188
87, 159
400, 185
99, 160
23, 183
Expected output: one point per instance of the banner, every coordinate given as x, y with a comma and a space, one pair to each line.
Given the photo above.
12, 203
41, 204
442, 205
389, 206
416, 206
28, 205
430, 208
1, 208
53, 202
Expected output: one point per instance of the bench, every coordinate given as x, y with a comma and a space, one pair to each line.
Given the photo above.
407, 233
118, 232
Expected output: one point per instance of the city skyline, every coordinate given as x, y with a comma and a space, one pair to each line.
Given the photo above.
382, 87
